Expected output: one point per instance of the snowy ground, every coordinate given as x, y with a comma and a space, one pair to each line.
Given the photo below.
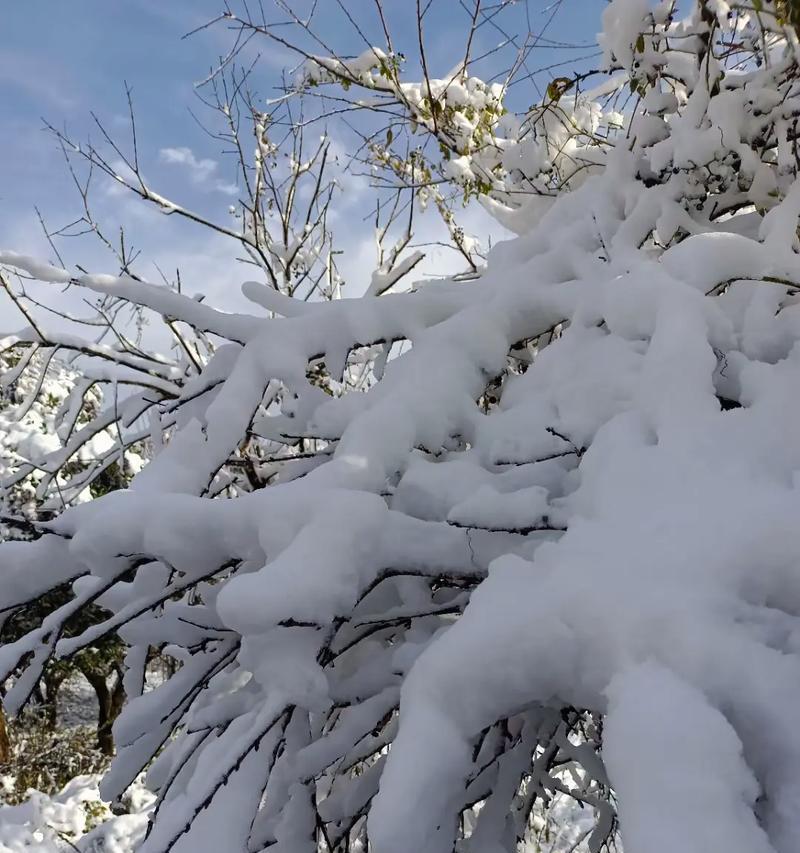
77, 819
74, 819
77, 703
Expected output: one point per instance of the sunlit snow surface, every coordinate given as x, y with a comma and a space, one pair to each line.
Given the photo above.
44, 824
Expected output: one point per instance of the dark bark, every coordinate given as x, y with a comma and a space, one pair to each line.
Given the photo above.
5, 744
109, 705
52, 684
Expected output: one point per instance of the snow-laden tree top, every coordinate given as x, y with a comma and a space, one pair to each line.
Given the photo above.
552, 549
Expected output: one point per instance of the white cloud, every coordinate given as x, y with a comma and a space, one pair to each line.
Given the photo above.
34, 75
201, 171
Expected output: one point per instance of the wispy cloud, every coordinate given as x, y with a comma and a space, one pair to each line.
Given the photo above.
201, 171
33, 77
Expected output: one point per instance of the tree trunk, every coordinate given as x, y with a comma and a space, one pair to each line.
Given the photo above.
5, 744
109, 705
52, 684
114, 710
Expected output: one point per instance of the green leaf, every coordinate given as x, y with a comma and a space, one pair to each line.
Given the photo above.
640, 43
389, 137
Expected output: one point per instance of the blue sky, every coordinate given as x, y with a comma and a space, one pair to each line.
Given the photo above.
61, 60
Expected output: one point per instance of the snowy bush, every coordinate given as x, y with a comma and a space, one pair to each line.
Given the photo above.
549, 550
42, 402
74, 818
46, 759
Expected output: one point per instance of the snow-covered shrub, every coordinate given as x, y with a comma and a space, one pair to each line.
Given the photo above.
550, 549
73, 818
46, 759
42, 404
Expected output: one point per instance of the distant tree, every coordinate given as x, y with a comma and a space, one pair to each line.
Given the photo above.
31, 425
100, 665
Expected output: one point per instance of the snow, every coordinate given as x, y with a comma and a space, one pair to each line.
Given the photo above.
548, 552
38, 418
44, 824
714, 791
232, 326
